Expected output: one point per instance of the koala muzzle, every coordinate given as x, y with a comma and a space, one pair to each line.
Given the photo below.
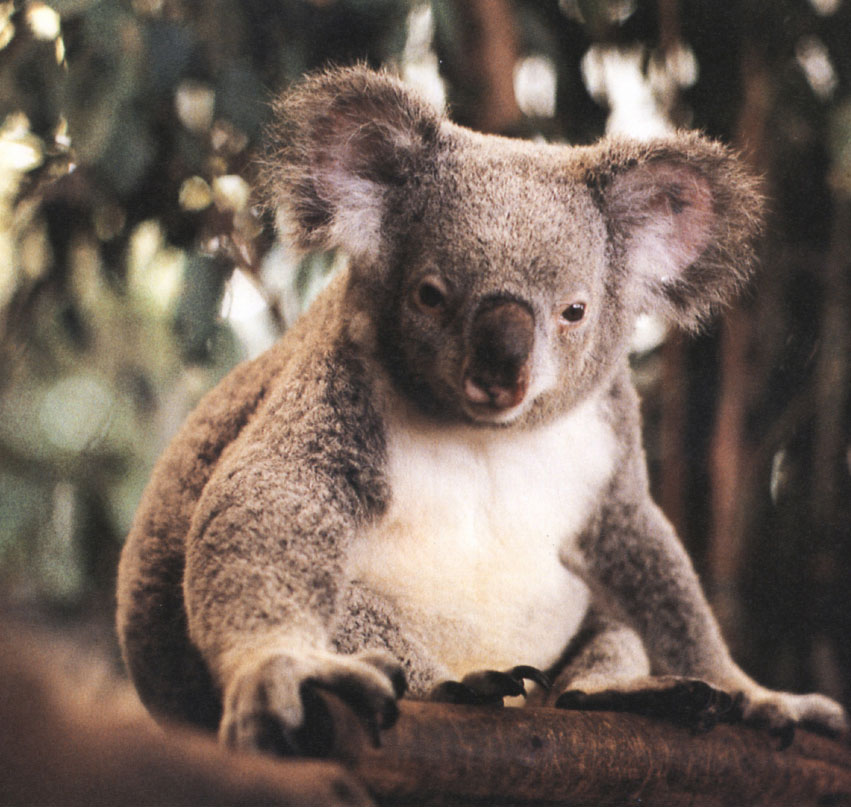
497, 372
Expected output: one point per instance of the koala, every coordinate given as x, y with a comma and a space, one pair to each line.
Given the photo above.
435, 480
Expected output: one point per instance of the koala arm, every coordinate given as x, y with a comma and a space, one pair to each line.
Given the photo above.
262, 565
637, 567
264, 557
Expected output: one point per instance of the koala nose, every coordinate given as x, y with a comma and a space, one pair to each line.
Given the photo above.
497, 371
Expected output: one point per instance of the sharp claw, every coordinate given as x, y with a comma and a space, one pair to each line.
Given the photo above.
785, 735
523, 671
271, 737
389, 714
489, 687
723, 702
736, 712
373, 729
493, 685
508, 684
392, 670
399, 682
375, 714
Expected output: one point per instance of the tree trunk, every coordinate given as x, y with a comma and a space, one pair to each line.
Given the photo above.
483, 66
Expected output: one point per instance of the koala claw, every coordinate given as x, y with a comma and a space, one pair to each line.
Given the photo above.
524, 671
488, 687
686, 701
274, 705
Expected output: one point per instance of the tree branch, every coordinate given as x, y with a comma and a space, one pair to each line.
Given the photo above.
445, 754
55, 748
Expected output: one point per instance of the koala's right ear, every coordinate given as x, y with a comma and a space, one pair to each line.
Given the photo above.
343, 139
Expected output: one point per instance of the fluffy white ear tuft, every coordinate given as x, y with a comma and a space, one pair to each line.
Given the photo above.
344, 141
358, 212
683, 213
670, 211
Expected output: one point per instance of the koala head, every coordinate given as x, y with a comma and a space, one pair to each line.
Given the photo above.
501, 278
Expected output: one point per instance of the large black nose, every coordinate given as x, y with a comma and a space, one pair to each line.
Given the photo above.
501, 341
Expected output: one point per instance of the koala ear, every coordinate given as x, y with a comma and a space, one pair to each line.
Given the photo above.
683, 214
341, 141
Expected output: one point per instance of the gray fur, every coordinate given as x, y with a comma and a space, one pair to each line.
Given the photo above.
484, 320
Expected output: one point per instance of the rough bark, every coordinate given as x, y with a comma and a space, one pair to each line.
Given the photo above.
57, 747
447, 755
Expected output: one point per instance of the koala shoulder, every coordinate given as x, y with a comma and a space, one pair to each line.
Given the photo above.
219, 420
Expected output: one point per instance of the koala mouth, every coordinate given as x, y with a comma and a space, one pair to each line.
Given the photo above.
485, 397
495, 377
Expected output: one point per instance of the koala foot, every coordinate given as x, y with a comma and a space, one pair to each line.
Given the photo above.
688, 702
782, 712
488, 687
272, 703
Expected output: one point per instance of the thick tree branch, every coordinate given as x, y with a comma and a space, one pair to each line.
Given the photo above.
56, 749
441, 754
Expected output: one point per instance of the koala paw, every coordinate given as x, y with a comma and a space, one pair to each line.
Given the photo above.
488, 687
272, 703
782, 712
688, 702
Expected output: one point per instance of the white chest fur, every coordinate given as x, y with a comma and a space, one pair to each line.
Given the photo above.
468, 549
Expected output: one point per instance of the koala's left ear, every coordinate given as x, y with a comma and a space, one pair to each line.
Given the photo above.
341, 142
683, 214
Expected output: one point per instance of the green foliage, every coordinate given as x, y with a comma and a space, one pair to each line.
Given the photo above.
126, 135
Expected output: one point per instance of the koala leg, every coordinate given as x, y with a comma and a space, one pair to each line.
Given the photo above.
633, 559
609, 670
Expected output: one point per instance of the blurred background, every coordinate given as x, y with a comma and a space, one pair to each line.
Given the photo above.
136, 269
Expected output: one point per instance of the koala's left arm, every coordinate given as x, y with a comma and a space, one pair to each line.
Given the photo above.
636, 565
640, 573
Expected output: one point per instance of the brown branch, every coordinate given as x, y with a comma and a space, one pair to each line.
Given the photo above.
441, 754
58, 745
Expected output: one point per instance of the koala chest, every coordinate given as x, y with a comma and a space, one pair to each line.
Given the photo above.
468, 550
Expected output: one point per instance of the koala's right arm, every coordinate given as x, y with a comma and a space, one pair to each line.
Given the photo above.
263, 554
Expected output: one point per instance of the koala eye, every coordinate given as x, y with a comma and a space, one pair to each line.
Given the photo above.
430, 295
573, 314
